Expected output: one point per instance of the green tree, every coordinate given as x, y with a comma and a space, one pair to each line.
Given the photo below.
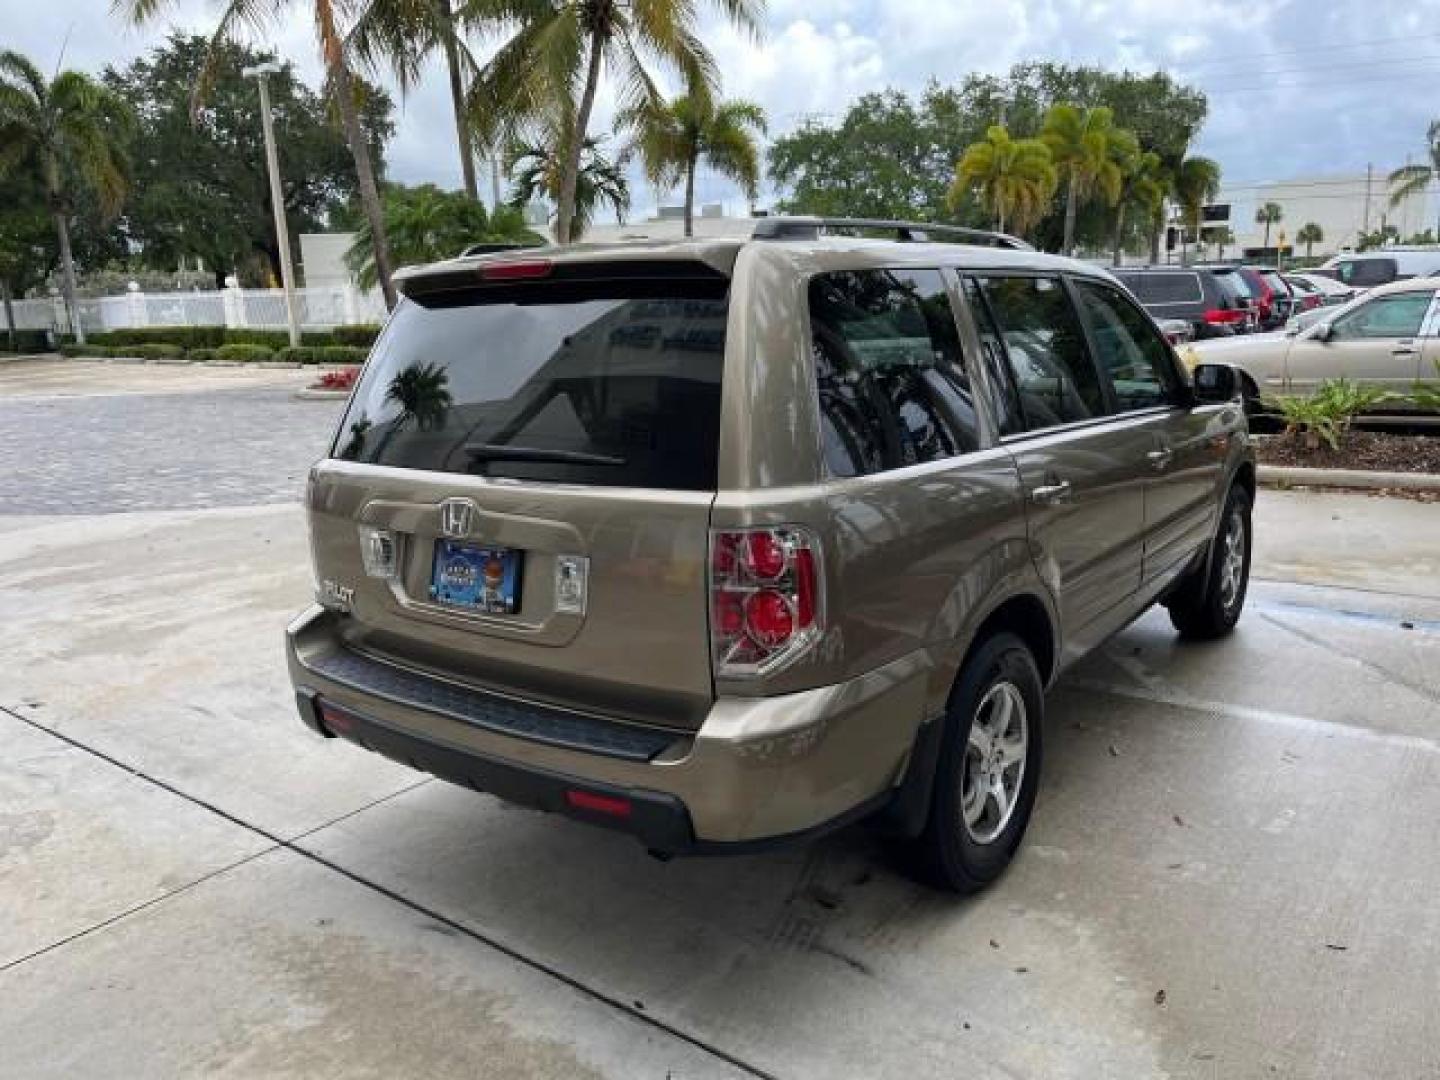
1223, 238
1195, 183
1269, 214
72, 130
341, 84
538, 167
1310, 234
1142, 189
200, 186
673, 139
560, 46
1082, 142
426, 224
1411, 180
1014, 178
27, 238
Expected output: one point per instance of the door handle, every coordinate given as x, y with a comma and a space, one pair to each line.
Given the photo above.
1051, 493
1160, 458
1402, 350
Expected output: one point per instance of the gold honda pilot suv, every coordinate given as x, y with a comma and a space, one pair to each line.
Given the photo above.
729, 543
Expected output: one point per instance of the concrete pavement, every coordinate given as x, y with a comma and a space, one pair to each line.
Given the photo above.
1229, 873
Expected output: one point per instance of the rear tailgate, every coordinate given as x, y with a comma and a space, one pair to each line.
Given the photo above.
541, 456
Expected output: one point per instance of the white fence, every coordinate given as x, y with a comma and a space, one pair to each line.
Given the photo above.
264, 309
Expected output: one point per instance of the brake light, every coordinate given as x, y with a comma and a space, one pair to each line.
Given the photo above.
608, 805
516, 271
766, 598
1223, 316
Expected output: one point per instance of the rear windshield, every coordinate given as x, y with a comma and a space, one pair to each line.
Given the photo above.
1276, 282
600, 382
1235, 285
1165, 288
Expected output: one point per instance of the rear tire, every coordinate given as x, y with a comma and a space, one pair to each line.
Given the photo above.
988, 771
1209, 602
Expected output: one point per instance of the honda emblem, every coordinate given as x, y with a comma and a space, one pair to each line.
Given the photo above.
456, 516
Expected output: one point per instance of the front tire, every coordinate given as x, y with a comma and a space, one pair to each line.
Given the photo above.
988, 771
1208, 605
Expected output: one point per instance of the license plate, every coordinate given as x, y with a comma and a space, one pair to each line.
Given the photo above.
476, 578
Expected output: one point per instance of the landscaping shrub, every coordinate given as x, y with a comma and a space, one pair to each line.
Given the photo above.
185, 337
1426, 394
201, 355
1326, 415
154, 352
341, 354
244, 353
361, 334
87, 350
292, 354
26, 341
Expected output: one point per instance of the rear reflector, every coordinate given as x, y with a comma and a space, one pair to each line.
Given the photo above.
333, 718
516, 271
598, 804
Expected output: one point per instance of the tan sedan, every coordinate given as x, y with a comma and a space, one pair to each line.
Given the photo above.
1388, 338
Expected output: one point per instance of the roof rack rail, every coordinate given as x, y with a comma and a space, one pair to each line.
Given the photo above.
810, 228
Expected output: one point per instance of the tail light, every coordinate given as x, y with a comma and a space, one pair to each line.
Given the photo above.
1224, 316
766, 598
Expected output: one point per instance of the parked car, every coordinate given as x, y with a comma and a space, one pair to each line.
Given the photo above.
1368, 269
1283, 303
1385, 338
1331, 290
1197, 296
1306, 296
726, 543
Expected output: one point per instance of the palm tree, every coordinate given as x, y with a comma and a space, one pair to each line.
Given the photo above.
1310, 234
1081, 141
1267, 215
672, 140
404, 35
561, 46
540, 164
425, 224
70, 127
1015, 178
1224, 237
1196, 181
1142, 187
335, 51
1411, 180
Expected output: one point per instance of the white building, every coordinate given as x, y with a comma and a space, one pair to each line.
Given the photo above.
1343, 205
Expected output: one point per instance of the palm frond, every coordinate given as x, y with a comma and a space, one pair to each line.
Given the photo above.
1408, 181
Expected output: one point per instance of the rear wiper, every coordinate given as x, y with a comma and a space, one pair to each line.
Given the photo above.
503, 452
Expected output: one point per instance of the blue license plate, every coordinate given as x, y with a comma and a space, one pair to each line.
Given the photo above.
476, 578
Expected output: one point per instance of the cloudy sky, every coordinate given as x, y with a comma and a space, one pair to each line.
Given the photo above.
1296, 87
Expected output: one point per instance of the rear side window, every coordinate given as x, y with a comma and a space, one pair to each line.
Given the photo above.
892, 383
1045, 350
601, 382
1128, 347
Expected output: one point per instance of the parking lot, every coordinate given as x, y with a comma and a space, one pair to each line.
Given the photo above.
1231, 870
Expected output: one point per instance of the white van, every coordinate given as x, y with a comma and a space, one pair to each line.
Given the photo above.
1365, 271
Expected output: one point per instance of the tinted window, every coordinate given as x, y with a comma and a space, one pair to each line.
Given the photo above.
1366, 272
594, 383
1128, 347
1235, 286
893, 388
1007, 399
1397, 316
1276, 282
1166, 288
1045, 348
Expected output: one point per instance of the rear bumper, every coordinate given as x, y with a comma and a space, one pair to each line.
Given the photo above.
758, 772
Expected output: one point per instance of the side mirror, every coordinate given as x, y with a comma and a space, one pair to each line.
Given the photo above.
1215, 384
1322, 332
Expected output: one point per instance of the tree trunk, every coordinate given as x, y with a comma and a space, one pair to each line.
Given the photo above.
9, 316
1119, 233
364, 172
1157, 226
570, 175
67, 276
1000, 216
690, 197
1069, 242
457, 102
1267, 233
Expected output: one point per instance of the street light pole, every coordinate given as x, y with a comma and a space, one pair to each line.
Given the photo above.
261, 73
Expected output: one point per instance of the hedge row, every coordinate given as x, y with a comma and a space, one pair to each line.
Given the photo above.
26, 341
237, 352
213, 337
